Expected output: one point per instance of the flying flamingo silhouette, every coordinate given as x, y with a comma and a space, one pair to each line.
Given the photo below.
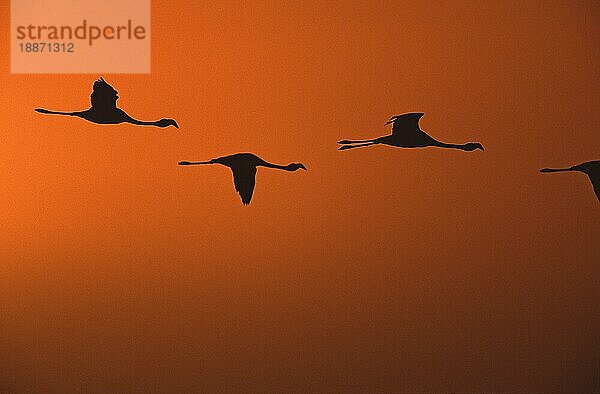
406, 133
243, 166
104, 109
590, 168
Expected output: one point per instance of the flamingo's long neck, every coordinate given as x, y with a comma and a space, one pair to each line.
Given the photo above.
450, 146
143, 123
277, 166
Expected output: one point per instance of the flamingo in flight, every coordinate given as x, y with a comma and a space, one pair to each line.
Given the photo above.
406, 133
243, 166
590, 168
104, 109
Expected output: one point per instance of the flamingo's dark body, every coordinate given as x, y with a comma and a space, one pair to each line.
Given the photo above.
590, 168
104, 109
406, 133
243, 166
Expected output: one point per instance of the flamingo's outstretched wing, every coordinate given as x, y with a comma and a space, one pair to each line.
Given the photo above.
596, 183
104, 96
592, 169
244, 181
406, 123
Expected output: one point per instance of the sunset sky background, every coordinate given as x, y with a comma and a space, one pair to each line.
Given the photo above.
378, 269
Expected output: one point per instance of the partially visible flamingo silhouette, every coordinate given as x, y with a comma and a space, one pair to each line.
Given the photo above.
590, 168
104, 109
243, 166
406, 133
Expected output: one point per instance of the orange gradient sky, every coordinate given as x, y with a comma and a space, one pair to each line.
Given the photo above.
378, 269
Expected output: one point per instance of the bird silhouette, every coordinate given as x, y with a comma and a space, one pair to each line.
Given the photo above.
406, 133
590, 168
243, 166
104, 109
